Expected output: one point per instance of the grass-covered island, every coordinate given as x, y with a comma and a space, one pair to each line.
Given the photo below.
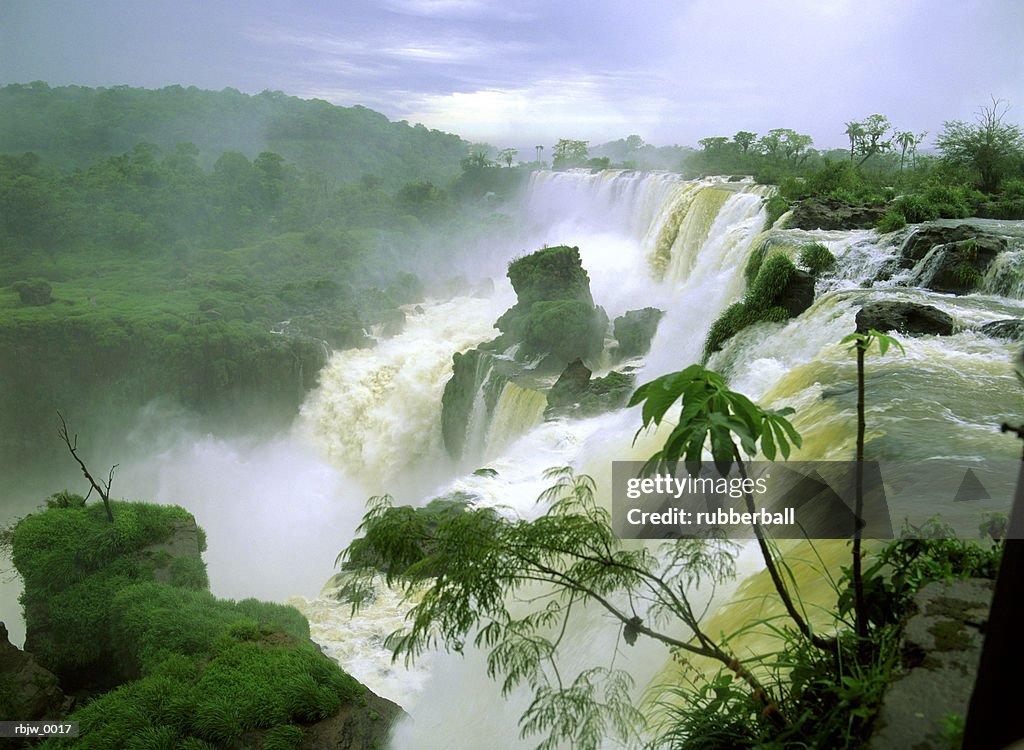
121, 614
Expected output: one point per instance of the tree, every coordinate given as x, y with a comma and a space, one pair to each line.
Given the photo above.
906, 140
872, 137
103, 489
634, 143
484, 567
745, 139
854, 131
862, 342
713, 144
507, 155
711, 413
568, 153
989, 147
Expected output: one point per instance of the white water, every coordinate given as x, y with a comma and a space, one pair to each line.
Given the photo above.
655, 240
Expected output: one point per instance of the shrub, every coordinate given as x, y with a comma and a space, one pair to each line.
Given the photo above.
891, 220
816, 258
776, 206
771, 276
914, 208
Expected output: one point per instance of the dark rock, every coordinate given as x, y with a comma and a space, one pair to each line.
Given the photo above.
798, 294
952, 260
816, 213
358, 725
27, 690
1011, 329
942, 647
920, 242
905, 317
570, 386
634, 331
576, 394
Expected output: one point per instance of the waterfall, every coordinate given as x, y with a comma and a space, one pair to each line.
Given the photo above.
645, 239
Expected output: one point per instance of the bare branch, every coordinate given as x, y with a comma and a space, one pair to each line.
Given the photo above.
72, 444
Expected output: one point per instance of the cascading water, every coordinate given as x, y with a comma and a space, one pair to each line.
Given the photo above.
645, 239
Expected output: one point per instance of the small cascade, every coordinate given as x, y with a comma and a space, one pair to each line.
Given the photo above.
487, 387
517, 411
1005, 277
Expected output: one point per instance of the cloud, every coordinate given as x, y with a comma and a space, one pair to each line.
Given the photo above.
473, 9
585, 106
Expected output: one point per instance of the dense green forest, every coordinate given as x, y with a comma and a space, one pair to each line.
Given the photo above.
140, 259
73, 126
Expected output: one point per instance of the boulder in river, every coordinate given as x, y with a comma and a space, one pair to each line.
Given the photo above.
906, 317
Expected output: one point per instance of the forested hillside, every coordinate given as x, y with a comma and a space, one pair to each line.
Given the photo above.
204, 247
73, 126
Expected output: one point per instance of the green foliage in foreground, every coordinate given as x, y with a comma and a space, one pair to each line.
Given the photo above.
191, 668
74, 562
253, 680
760, 304
488, 567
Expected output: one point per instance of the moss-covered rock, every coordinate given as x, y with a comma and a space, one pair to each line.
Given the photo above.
74, 562
470, 371
778, 291
554, 273
554, 315
168, 664
576, 394
635, 330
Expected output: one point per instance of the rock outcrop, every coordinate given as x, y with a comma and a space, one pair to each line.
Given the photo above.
634, 331
942, 648
576, 394
952, 260
1011, 329
817, 213
554, 316
27, 691
906, 317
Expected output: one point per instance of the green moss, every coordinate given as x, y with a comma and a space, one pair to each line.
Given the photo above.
189, 573
775, 206
208, 669
569, 328
771, 277
554, 273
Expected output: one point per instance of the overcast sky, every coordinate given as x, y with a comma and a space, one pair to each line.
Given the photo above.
526, 72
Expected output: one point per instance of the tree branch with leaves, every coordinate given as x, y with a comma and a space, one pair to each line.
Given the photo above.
469, 573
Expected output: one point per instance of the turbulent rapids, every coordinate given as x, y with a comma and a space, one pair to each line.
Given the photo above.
681, 246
